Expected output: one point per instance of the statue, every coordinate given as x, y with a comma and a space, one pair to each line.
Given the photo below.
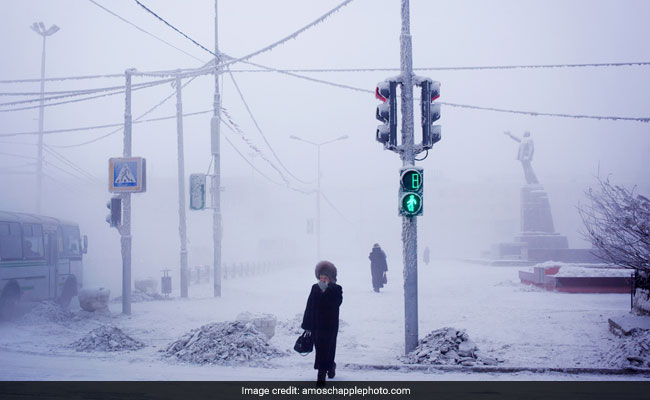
525, 155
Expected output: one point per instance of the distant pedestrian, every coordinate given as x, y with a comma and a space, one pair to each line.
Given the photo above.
425, 255
378, 267
321, 319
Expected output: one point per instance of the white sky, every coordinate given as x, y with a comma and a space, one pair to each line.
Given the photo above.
364, 34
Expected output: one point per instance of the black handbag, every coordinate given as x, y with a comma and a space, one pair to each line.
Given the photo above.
384, 279
304, 344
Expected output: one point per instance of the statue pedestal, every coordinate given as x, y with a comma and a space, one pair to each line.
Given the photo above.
538, 240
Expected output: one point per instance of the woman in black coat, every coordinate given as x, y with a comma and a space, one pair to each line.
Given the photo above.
321, 318
378, 266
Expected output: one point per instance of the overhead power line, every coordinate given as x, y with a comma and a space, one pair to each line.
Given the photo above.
250, 113
467, 106
174, 28
82, 92
255, 53
144, 31
291, 36
461, 68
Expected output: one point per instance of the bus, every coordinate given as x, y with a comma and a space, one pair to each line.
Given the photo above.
40, 259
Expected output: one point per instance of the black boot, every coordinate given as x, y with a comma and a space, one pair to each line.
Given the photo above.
332, 371
320, 378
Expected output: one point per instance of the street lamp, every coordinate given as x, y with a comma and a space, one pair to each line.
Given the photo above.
40, 29
318, 145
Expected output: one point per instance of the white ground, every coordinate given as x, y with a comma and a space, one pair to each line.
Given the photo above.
523, 325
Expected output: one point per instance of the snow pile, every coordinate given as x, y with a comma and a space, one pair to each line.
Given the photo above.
633, 351
448, 346
224, 343
293, 326
138, 297
578, 270
106, 338
265, 323
49, 311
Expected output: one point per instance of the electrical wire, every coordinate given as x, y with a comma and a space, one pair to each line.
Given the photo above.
235, 128
18, 156
113, 90
327, 200
467, 106
255, 53
462, 68
68, 162
174, 28
250, 113
144, 31
291, 36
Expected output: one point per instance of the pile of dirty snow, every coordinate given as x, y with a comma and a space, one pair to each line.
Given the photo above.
224, 343
632, 351
448, 346
49, 311
106, 338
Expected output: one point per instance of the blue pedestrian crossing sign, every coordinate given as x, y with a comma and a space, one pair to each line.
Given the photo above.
127, 175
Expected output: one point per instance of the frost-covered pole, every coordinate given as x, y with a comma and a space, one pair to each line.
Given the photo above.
215, 194
318, 207
125, 229
409, 223
40, 29
182, 225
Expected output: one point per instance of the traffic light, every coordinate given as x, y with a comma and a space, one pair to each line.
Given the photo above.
431, 134
410, 194
197, 191
386, 91
114, 217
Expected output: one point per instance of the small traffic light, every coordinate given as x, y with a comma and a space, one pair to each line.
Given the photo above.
431, 134
410, 194
197, 191
114, 217
386, 91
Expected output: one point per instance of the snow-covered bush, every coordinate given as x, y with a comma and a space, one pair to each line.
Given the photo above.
617, 222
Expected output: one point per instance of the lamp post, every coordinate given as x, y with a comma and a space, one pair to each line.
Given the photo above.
40, 29
318, 146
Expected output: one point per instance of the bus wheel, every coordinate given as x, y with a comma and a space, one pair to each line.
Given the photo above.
69, 291
9, 300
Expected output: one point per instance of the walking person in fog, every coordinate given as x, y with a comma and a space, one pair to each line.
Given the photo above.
321, 319
378, 267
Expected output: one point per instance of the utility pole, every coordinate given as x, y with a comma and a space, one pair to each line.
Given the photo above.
318, 193
215, 190
40, 29
409, 223
125, 228
411, 177
182, 225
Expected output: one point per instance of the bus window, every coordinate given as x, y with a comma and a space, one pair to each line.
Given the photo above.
10, 247
71, 241
33, 241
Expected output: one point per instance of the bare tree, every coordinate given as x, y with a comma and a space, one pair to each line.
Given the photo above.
617, 222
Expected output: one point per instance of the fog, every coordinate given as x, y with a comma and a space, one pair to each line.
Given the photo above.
471, 177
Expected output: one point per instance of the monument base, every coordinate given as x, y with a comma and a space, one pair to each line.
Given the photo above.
544, 240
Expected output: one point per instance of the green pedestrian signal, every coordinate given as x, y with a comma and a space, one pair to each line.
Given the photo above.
410, 194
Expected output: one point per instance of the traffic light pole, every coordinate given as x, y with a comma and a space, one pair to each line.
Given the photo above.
409, 223
215, 193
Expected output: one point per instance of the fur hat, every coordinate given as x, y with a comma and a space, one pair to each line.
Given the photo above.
326, 268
